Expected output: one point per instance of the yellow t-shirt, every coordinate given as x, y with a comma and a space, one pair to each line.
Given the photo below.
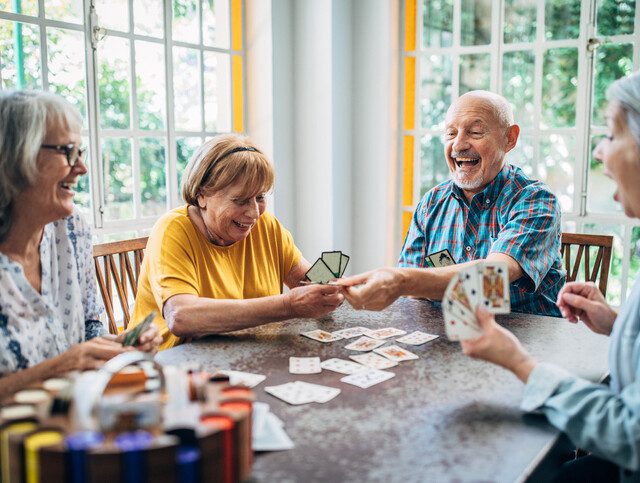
180, 260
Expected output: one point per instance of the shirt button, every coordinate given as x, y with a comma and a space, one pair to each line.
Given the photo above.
468, 249
488, 201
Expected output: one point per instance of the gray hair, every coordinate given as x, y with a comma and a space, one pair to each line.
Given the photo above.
25, 117
501, 107
626, 91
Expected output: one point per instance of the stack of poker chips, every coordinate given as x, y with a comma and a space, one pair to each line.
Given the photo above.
40, 440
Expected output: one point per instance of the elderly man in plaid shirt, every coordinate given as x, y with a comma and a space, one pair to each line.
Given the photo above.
488, 210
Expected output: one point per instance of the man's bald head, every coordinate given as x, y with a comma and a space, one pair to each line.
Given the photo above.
495, 102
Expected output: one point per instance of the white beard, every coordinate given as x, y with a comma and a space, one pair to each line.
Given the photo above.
468, 185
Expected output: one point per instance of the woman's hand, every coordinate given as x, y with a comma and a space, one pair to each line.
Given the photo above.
584, 301
498, 345
313, 300
149, 340
374, 290
91, 354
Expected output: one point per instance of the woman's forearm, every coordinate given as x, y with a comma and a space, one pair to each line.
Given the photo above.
17, 381
193, 316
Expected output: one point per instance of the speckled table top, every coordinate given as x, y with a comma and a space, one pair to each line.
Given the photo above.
444, 417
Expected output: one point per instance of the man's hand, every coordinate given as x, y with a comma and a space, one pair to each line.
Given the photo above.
149, 340
498, 345
373, 290
584, 301
313, 300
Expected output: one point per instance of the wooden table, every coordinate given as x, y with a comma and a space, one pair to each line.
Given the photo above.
444, 417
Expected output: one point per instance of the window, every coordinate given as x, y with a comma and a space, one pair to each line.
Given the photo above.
153, 79
553, 61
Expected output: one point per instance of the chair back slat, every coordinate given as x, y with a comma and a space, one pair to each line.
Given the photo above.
118, 266
598, 271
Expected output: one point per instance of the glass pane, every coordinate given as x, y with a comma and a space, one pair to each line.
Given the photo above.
612, 62
475, 72
600, 187
113, 14
562, 19
215, 23
559, 88
518, 84
437, 23
614, 285
475, 20
25, 7
113, 79
217, 93
148, 18
118, 179
616, 17
20, 56
82, 198
433, 165
435, 92
66, 67
556, 168
186, 89
522, 156
520, 21
569, 226
150, 85
634, 261
185, 148
153, 181
65, 10
185, 21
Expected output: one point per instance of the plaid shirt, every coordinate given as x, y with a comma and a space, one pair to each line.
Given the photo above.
513, 215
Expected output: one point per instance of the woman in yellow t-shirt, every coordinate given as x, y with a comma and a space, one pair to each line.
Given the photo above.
219, 263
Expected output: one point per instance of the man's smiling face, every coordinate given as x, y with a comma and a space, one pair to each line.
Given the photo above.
477, 138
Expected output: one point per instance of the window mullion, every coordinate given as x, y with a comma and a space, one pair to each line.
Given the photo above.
172, 153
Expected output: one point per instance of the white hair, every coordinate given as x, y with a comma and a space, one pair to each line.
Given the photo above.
25, 117
501, 107
626, 91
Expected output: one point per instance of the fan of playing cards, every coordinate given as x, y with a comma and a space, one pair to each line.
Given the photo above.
485, 284
329, 266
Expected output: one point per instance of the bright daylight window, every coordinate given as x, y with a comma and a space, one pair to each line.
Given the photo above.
553, 61
153, 79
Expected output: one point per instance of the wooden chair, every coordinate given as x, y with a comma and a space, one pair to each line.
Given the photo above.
592, 271
118, 264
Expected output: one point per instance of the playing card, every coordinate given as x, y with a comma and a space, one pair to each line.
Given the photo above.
291, 393
304, 365
416, 338
321, 394
132, 337
238, 378
364, 344
332, 260
319, 272
341, 365
467, 290
321, 335
395, 353
350, 332
384, 333
441, 259
494, 287
344, 261
367, 378
459, 323
373, 361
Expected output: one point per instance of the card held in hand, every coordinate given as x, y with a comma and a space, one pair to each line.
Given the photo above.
132, 337
320, 272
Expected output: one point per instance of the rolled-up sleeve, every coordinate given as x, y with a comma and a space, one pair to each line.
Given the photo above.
531, 236
593, 417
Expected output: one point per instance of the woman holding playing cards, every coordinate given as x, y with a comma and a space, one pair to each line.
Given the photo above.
48, 301
604, 420
219, 263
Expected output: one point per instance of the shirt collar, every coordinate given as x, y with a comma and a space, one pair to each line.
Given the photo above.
489, 194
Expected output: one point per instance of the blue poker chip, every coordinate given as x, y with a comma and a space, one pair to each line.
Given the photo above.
134, 440
83, 440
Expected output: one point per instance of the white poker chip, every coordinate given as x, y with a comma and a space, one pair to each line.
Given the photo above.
17, 412
31, 396
56, 384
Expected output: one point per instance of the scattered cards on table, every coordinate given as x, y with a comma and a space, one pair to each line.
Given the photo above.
329, 266
384, 333
350, 332
239, 378
485, 284
304, 365
321, 335
367, 378
417, 338
299, 392
373, 361
364, 344
341, 366
395, 353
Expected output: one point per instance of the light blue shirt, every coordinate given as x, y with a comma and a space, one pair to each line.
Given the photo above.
602, 419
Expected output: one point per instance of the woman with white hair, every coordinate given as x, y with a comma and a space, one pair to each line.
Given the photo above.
604, 420
49, 309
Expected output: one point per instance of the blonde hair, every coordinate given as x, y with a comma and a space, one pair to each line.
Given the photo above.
223, 161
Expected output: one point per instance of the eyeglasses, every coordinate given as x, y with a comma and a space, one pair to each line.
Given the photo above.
71, 151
